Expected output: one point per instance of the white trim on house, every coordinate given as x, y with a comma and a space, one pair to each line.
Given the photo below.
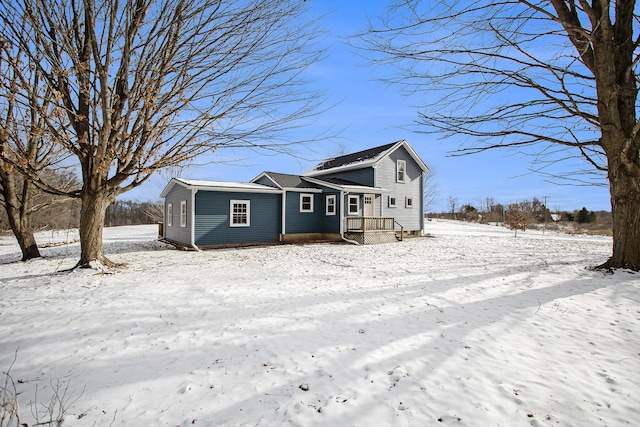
303, 197
401, 171
183, 213
170, 215
303, 190
330, 198
241, 187
357, 205
347, 188
284, 214
408, 202
193, 218
239, 213
266, 175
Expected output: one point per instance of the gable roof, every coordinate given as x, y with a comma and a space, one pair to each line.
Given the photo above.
363, 159
196, 184
283, 180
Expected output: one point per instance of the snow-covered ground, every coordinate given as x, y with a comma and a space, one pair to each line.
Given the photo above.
471, 327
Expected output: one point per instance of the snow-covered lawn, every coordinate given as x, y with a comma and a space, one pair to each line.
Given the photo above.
472, 327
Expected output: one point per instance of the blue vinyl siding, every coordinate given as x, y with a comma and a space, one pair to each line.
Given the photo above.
304, 222
331, 223
212, 218
358, 176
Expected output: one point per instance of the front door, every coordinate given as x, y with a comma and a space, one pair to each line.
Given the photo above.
368, 205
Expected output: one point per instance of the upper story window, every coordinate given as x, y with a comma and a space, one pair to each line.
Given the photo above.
183, 213
239, 213
169, 214
354, 205
401, 170
306, 202
331, 205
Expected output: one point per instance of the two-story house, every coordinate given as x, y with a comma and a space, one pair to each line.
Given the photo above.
371, 196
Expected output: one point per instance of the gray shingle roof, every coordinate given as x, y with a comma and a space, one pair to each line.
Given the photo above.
353, 158
289, 181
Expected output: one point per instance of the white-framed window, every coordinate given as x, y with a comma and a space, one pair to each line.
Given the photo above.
239, 213
354, 205
306, 202
408, 202
183, 213
331, 205
392, 201
169, 214
401, 170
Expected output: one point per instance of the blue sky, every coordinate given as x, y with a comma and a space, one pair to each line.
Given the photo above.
369, 114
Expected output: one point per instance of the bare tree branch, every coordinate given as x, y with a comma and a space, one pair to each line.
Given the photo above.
141, 85
527, 75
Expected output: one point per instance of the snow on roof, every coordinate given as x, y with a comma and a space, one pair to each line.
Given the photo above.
363, 157
219, 185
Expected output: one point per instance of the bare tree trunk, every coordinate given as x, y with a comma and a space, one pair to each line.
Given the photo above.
92, 214
27, 243
19, 214
625, 207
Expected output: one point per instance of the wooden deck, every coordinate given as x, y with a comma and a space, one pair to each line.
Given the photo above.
368, 230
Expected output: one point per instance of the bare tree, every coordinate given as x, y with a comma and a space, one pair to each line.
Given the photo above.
452, 205
24, 145
141, 85
554, 78
430, 193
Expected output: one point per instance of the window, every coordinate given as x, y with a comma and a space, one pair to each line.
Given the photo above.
169, 214
409, 202
331, 205
239, 213
401, 170
306, 202
354, 205
392, 201
183, 213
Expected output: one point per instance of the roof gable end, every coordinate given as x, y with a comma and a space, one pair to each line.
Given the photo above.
363, 159
286, 181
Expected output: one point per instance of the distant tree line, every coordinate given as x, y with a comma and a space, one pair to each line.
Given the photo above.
128, 212
533, 211
64, 213
41, 210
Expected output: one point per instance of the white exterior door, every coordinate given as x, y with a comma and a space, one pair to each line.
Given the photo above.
368, 205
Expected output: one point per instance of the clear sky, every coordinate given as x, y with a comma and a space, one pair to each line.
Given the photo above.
369, 114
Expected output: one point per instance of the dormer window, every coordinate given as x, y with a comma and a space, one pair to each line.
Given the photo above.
401, 170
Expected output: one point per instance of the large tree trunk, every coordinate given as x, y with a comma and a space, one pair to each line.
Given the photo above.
92, 213
625, 207
27, 243
19, 213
